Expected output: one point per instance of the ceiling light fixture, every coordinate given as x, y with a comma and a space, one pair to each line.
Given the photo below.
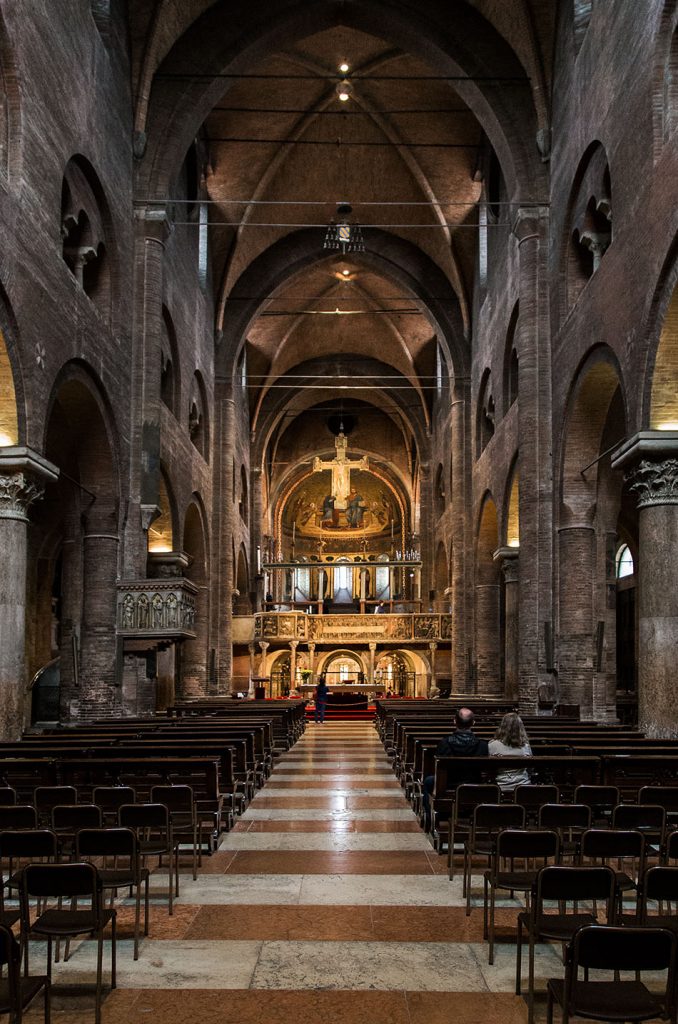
344, 67
342, 235
344, 90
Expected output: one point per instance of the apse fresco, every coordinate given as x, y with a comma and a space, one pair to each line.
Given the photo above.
368, 508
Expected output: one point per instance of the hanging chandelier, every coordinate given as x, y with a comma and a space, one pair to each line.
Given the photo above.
343, 235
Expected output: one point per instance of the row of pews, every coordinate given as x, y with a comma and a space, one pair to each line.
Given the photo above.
223, 749
567, 753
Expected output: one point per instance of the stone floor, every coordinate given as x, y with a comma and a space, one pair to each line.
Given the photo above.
327, 896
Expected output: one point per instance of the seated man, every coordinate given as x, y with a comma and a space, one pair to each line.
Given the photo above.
461, 743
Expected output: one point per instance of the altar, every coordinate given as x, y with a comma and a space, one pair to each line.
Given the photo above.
308, 689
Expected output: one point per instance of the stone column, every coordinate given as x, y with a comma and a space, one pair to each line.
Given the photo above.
536, 599
488, 644
222, 548
508, 557
461, 596
293, 663
370, 666
264, 645
433, 648
424, 528
23, 475
311, 662
576, 560
252, 649
100, 692
651, 461
152, 229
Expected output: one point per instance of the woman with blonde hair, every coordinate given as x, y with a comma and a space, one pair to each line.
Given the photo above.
511, 740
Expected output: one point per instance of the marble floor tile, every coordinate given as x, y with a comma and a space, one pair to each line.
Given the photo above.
180, 1006
276, 789
190, 963
338, 825
315, 862
368, 965
391, 890
283, 923
469, 1007
331, 843
277, 813
259, 889
336, 923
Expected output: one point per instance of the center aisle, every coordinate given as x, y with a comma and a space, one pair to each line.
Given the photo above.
325, 903
351, 910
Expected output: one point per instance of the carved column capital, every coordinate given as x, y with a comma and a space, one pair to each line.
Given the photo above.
650, 461
294, 644
508, 558
23, 475
654, 483
18, 491
372, 646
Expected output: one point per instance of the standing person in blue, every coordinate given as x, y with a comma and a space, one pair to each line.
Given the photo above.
321, 694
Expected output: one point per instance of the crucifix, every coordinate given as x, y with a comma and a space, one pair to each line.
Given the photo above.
341, 470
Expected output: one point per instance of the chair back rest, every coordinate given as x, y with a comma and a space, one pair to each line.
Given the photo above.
175, 798
494, 817
660, 883
20, 816
569, 884
598, 798
671, 848
145, 815
610, 948
29, 843
68, 880
565, 816
110, 798
613, 842
664, 796
647, 816
75, 816
47, 797
531, 844
535, 795
470, 794
106, 842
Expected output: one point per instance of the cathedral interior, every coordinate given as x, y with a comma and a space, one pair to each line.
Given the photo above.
338, 342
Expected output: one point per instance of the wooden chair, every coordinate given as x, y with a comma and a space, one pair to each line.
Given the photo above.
568, 886
70, 882
17, 992
615, 949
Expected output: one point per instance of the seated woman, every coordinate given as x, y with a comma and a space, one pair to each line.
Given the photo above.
511, 741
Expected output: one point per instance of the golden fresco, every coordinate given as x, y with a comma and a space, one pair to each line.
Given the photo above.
369, 507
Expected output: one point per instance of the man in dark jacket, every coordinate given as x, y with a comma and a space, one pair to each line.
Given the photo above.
461, 743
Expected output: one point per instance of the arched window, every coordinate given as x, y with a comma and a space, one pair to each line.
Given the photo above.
511, 361
589, 221
486, 414
624, 562
85, 231
244, 503
169, 363
197, 421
